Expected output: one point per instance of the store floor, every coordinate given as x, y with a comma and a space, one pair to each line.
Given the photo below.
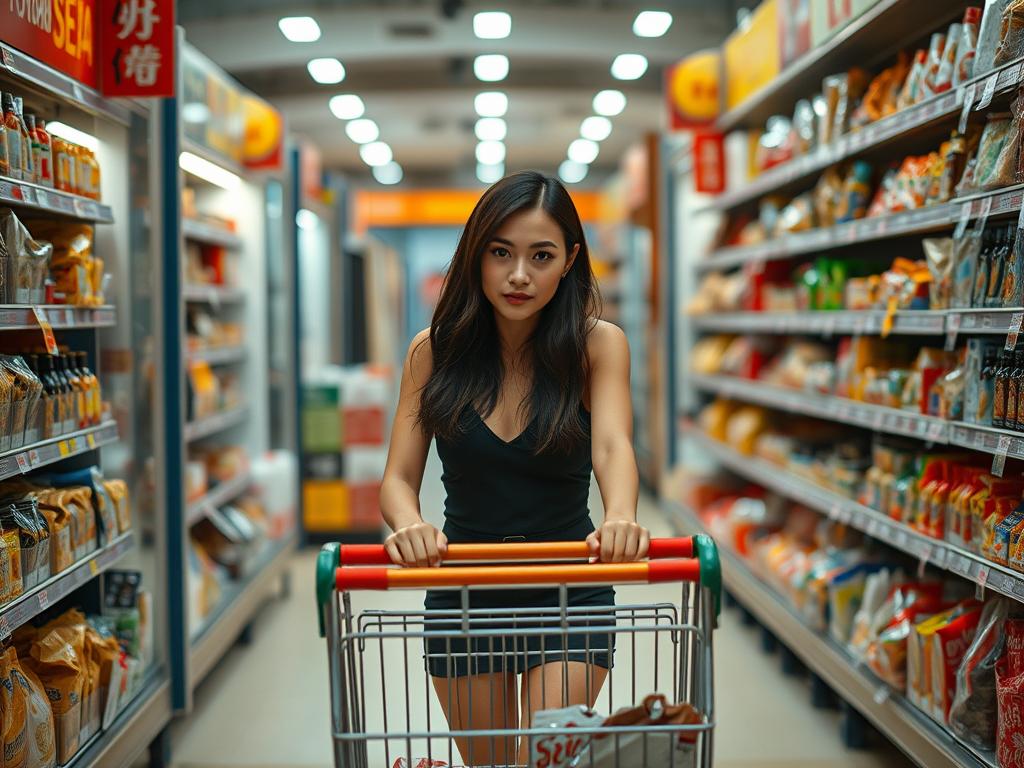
267, 703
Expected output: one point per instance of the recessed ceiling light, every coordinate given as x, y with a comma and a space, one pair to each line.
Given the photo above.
362, 131
609, 103
388, 174
490, 152
326, 71
629, 66
572, 172
492, 25
347, 106
491, 104
489, 173
596, 128
306, 219
300, 29
583, 151
652, 23
490, 67
376, 153
491, 129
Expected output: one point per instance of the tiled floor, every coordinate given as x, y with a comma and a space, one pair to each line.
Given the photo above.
267, 704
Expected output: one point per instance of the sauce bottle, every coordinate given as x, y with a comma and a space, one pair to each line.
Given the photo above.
999, 399
28, 172
54, 415
983, 270
78, 412
94, 174
44, 161
96, 408
12, 130
988, 387
88, 387
64, 169
1013, 378
5, 162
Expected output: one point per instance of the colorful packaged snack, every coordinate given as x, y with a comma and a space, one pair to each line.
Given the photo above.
973, 713
1011, 33
13, 713
1010, 697
949, 643
42, 741
967, 47
933, 65
913, 86
988, 36
947, 66
58, 662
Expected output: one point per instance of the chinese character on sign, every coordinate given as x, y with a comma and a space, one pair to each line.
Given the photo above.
142, 64
135, 13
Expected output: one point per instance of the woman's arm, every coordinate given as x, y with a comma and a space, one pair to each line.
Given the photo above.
413, 542
620, 538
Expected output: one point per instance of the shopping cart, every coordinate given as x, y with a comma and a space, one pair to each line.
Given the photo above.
386, 714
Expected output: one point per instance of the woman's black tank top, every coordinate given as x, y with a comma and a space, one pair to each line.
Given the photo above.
499, 490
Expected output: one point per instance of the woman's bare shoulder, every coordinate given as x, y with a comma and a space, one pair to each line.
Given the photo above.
420, 359
605, 340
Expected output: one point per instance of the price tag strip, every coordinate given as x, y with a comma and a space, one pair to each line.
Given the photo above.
999, 460
1014, 331
47, 329
989, 91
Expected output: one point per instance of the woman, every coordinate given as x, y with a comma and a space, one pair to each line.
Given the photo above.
526, 392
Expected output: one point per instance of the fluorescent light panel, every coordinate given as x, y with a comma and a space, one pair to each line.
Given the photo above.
300, 29
490, 67
629, 66
326, 71
491, 104
66, 132
652, 23
492, 25
203, 169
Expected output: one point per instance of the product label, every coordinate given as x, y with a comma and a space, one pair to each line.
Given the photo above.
989, 91
14, 152
999, 461
965, 113
1011, 336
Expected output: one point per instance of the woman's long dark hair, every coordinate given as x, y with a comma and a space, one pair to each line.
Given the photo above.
468, 368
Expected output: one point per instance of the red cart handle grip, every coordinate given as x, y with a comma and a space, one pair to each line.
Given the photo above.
376, 554
348, 578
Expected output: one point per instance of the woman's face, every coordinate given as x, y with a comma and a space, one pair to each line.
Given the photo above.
523, 264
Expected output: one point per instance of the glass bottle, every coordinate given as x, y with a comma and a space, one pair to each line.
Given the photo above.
988, 387
28, 172
5, 161
12, 129
78, 390
54, 418
982, 271
999, 399
1013, 378
44, 150
93, 405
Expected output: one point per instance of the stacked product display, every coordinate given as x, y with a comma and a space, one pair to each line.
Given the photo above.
856, 372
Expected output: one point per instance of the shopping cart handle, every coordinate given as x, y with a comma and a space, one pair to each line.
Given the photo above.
326, 562
376, 554
382, 578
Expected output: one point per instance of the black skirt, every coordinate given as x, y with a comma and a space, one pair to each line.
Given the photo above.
515, 630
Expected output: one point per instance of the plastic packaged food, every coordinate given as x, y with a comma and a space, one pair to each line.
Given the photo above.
57, 659
881, 96
42, 742
30, 260
938, 253
930, 78
1011, 33
14, 710
827, 193
967, 47
988, 36
798, 216
1010, 697
826, 109
947, 65
914, 83
994, 136
805, 137
853, 202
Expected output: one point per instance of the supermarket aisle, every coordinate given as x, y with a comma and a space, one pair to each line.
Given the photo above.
267, 704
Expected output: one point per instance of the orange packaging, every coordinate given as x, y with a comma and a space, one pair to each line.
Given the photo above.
13, 714
57, 659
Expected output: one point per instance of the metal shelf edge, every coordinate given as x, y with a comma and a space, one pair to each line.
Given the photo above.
220, 495
211, 425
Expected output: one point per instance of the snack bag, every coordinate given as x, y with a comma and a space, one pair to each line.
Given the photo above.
13, 713
949, 643
118, 491
42, 746
1010, 697
1011, 33
57, 660
973, 714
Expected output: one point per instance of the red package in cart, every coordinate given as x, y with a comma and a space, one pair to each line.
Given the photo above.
422, 762
1010, 697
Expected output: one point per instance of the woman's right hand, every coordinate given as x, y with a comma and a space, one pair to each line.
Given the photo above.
418, 544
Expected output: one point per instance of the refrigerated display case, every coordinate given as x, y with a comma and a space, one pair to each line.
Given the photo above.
232, 483
93, 286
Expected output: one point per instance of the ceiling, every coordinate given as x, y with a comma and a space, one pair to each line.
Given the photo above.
412, 64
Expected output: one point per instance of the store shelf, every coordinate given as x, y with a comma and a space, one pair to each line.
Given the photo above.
239, 603
875, 524
218, 496
213, 294
920, 737
828, 323
886, 26
30, 457
23, 194
874, 135
876, 417
987, 439
132, 731
14, 62
917, 222
211, 425
17, 317
219, 355
209, 234
29, 605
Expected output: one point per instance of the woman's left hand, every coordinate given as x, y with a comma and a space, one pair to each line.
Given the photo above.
619, 541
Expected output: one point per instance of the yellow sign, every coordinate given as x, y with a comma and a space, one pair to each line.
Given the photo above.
752, 55
692, 90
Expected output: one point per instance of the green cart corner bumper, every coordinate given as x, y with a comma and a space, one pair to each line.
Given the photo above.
326, 564
710, 568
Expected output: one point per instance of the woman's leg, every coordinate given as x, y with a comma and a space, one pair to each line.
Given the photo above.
543, 688
493, 706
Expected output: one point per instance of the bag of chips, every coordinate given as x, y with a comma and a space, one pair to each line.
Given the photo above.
1010, 697
42, 746
57, 659
13, 713
973, 714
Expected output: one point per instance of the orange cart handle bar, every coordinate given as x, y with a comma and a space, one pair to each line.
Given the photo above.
376, 554
349, 578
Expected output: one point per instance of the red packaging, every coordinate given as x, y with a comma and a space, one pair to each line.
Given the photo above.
1010, 697
952, 640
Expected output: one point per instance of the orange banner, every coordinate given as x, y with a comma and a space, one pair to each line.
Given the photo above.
436, 207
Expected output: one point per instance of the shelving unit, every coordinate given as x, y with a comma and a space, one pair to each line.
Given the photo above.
211, 425
210, 234
921, 738
123, 133
218, 496
219, 355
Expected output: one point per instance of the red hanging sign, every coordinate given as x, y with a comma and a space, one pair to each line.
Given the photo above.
709, 162
137, 47
59, 33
